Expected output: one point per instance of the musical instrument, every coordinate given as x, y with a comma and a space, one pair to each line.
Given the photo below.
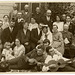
55, 65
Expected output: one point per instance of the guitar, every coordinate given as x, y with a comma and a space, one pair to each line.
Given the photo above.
55, 65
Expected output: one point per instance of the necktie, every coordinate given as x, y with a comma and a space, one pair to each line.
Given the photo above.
45, 36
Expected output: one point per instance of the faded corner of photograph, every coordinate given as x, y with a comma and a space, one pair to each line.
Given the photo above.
37, 37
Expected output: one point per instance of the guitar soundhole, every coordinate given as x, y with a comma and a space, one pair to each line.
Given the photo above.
59, 64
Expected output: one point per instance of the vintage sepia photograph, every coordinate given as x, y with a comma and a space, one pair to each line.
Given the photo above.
37, 37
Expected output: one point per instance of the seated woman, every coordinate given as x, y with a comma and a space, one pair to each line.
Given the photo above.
57, 42
46, 34
19, 49
33, 24
59, 23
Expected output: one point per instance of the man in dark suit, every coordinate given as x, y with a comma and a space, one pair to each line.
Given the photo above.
68, 43
9, 34
37, 15
1, 23
19, 21
26, 14
35, 36
24, 36
70, 24
47, 20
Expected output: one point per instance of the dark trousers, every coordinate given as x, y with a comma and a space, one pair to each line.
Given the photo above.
33, 45
20, 63
67, 68
69, 51
27, 47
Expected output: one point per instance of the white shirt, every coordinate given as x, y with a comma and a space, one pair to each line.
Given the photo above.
38, 31
11, 29
55, 57
48, 18
19, 50
49, 36
60, 25
24, 31
8, 54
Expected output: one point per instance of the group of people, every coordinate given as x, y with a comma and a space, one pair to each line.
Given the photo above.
28, 40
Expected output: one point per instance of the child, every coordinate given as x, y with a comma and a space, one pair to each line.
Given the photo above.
7, 51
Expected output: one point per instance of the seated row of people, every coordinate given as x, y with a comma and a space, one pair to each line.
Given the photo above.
39, 58
30, 39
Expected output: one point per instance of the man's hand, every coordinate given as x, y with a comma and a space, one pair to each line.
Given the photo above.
26, 43
40, 41
38, 63
31, 60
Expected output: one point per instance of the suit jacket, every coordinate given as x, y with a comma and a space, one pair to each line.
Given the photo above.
72, 28
49, 23
37, 17
26, 16
34, 36
1, 30
69, 36
33, 54
7, 35
19, 25
22, 37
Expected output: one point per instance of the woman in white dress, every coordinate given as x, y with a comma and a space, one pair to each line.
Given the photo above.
59, 23
19, 49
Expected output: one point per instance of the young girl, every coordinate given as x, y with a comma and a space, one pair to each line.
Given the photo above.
7, 51
19, 48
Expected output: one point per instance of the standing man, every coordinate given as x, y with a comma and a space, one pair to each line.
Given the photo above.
37, 15
13, 13
19, 21
26, 14
47, 20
